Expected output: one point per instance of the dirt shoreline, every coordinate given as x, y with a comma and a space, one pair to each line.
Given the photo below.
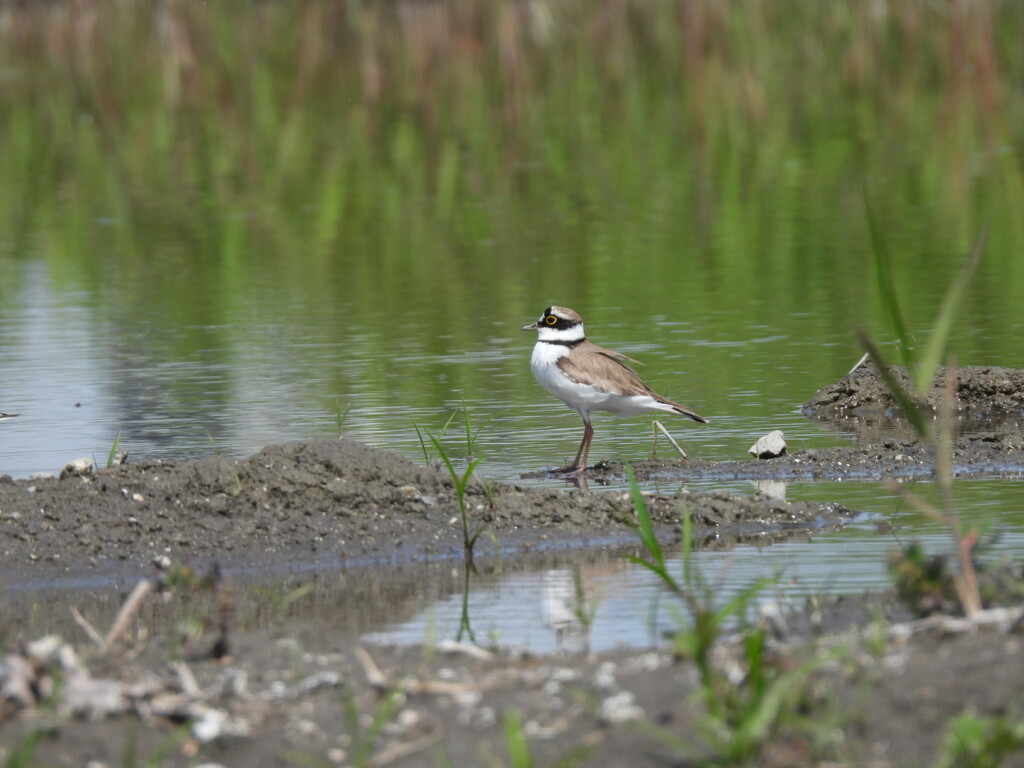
341, 499
336, 500
280, 691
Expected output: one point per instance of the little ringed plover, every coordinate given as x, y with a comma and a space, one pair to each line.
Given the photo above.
588, 378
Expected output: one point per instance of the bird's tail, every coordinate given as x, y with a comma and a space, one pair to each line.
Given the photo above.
685, 410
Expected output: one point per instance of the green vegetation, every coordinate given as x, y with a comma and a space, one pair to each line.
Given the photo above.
20, 753
981, 742
912, 573
460, 483
112, 455
430, 437
281, 600
341, 416
416, 169
460, 480
770, 700
738, 718
583, 609
409, 169
518, 749
158, 756
365, 732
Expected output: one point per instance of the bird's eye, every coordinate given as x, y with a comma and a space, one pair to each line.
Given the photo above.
550, 319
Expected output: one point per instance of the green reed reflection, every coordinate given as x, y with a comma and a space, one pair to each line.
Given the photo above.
410, 167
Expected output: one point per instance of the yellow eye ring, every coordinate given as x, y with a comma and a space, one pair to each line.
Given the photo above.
550, 319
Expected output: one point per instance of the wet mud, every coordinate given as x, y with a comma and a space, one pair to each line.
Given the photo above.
337, 501
982, 392
275, 681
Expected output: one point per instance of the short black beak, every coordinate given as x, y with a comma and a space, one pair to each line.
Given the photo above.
532, 326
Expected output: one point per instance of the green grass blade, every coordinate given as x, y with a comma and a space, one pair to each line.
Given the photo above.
885, 287
21, 753
737, 605
764, 717
489, 535
515, 741
167, 746
423, 445
485, 422
936, 348
469, 429
340, 415
470, 466
915, 415
659, 571
645, 528
447, 462
447, 423
113, 450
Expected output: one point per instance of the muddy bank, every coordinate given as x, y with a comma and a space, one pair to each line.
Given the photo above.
276, 677
341, 502
988, 435
883, 691
982, 392
880, 455
336, 500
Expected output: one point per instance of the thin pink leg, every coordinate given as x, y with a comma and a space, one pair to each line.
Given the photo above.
577, 467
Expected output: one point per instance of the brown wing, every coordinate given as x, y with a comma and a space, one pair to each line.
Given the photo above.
616, 356
605, 370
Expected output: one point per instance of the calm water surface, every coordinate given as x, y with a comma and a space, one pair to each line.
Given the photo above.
78, 385
240, 237
539, 610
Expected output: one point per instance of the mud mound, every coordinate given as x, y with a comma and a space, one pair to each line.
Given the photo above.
982, 391
331, 500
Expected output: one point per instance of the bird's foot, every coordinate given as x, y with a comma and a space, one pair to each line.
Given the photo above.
571, 469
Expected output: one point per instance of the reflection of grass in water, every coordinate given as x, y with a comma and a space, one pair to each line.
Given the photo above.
343, 155
281, 600
340, 174
341, 416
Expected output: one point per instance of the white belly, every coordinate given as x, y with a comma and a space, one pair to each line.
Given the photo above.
584, 398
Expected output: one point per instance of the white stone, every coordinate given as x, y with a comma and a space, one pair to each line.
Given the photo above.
769, 446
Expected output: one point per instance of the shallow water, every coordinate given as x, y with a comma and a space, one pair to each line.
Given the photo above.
188, 270
539, 610
77, 389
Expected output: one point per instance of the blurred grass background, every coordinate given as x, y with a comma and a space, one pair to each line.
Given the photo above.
409, 168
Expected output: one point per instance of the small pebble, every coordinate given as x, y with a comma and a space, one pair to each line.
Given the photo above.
77, 468
769, 446
620, 707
